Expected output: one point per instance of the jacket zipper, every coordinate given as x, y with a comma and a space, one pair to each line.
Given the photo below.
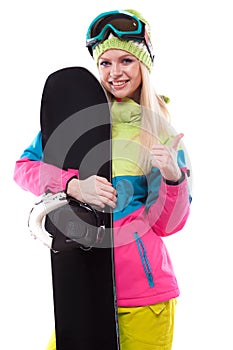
144, 259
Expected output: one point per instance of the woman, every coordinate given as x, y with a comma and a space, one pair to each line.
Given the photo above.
149, 192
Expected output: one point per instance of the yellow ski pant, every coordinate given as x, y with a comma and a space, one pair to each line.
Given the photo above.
143, 328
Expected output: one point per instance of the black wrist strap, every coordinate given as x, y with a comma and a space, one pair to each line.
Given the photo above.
174, 183
73, 177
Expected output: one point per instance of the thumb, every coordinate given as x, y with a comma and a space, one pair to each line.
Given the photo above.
176, 141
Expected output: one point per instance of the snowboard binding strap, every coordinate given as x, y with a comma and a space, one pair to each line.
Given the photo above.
47, 203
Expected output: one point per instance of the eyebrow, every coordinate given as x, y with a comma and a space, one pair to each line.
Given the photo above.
123, 56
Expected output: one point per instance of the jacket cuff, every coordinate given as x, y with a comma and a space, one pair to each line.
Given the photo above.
175, 183
67, 176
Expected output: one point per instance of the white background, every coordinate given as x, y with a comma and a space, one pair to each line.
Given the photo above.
193, 66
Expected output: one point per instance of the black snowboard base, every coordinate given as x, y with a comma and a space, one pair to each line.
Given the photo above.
84, 300
76, 133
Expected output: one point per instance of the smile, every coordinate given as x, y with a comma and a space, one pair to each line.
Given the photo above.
118, 83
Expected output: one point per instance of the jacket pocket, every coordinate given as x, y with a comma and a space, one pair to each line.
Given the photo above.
144, 259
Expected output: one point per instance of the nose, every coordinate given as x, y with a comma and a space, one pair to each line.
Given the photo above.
115, 70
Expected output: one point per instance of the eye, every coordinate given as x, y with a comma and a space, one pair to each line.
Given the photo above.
104, 63
127, 60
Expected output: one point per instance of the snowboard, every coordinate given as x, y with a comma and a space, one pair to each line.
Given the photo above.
76, 134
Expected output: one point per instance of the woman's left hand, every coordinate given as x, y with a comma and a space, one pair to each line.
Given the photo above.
165, 158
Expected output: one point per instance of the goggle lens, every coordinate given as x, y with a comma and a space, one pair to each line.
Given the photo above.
120, 22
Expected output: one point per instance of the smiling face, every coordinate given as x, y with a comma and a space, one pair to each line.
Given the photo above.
120, 74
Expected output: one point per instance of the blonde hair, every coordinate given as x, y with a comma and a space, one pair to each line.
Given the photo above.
155, 119
155, 116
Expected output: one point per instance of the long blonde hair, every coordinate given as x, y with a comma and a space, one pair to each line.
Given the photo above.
155, 116
155, 119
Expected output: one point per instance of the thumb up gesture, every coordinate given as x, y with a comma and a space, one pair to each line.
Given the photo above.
165, 158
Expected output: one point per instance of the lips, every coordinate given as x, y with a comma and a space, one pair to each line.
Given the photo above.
120, 83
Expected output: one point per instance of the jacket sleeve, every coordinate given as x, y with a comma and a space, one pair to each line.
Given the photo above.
168, 205
35, 176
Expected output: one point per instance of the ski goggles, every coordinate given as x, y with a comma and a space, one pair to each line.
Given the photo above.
122, 24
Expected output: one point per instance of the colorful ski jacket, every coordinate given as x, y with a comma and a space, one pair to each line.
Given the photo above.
148, 208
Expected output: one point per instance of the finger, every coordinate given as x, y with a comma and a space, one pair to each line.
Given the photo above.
176, 141
108, 195
108, 202
103, 180
98, 204
107, 188
158, 147
102, 202
159, 153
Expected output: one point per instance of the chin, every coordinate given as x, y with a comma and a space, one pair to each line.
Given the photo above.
119, 94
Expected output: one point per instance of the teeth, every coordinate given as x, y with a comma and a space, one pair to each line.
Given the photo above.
118, 83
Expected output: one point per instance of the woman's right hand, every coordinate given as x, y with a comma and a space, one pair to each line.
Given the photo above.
94, 190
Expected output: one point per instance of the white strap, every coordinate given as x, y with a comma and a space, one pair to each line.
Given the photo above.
41, 208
